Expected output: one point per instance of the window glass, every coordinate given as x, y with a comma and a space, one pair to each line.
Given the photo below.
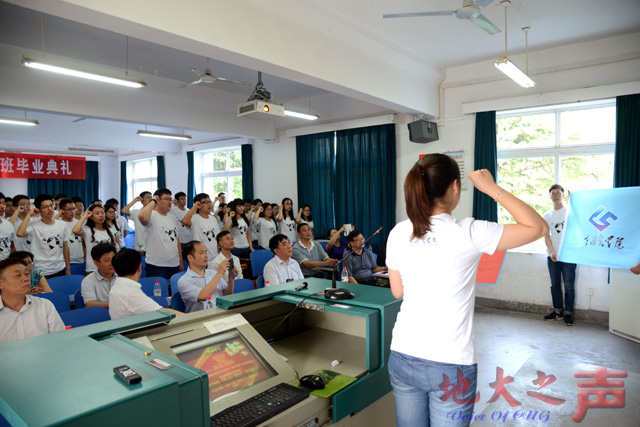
236, 187
142, 169
219, 162
235, 160
591, 126
587, 172
526, 131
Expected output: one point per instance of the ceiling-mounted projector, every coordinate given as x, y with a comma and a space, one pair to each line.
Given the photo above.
260, 107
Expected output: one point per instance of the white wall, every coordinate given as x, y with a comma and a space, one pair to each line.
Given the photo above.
13, 186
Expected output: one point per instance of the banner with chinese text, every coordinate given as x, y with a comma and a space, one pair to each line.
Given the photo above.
17, 165
603, 228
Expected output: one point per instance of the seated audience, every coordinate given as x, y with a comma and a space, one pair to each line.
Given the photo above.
304, 217
126, 297
281, 268
96, 286
204, 226
48, 239
225, 241
286, 220
198, 282
361, 265
336, 248
22, 315
7, 233
265, 224
67, 210
38, 281
95, 231
164, 253
309, 253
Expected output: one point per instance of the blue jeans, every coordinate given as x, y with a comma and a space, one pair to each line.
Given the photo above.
166, 272
419, 397
562, 271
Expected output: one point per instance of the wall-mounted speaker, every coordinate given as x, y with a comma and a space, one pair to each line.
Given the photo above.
423, 131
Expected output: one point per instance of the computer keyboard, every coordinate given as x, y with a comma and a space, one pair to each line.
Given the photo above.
261, 407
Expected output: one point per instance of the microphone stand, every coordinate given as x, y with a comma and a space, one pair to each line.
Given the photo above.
335, 293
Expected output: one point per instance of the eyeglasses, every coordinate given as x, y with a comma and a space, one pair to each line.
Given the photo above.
205, 202
166, 199
359, 239
556, 193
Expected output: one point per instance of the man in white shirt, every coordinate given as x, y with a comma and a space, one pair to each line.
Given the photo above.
9, 207
144, 198
96, 286
7, 233
559, 271
79, 204
282, 268
22, 315
121, 221
225, 241
67, 210
179, 209
198, 282
164, 253
48, 239
204, 226
126, 297
22, 205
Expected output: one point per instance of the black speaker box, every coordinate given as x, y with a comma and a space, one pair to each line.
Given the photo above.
423, 131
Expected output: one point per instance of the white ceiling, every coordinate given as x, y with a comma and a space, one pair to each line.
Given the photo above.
434, 42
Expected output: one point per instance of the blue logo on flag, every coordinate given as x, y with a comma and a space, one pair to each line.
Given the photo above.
604, 223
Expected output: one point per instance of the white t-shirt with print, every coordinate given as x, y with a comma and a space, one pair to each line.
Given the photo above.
123, 225
556, 220
76, 253
183, 231
162, 240
438, 275
239, 234
90, 241
47, 242
205, 231
22, 243
7, 235
288, 227
117, 235
141, 232
267, 230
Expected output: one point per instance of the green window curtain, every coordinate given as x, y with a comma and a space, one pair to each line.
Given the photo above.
626, 168
162, 177
365, 185
315, 157
87, 189
247, 171
485, 157
124, 199
191, 184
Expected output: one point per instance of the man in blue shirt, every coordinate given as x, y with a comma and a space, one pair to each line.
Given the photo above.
309, 253
361, 265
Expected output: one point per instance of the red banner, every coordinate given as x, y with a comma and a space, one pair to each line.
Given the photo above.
16, 165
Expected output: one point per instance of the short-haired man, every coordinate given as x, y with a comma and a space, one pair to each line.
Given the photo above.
9, 208
204, 226
281, 268
22, 205
7, 233
144, 198
164, 253
79, 204
361, 265
309, 253
48, 239
56, 200
126, 297
22, 315
96, 202
96, 286
559, 270
66, 210
123, 224
179, 209
225, 241
198, 282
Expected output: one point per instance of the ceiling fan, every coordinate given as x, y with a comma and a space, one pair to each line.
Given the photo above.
207, 77
470, 10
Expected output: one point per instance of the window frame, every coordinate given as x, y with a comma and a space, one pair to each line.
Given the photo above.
202, 176
132, 181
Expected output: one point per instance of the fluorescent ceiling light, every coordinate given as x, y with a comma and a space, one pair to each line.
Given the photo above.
21, 122
92, 150
73, 70
164, 135
301, 115
514, 73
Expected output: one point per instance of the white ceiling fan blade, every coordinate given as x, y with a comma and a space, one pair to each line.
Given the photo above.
221, 79
190, 84
483, 3
195, 70
482, 22
415, 14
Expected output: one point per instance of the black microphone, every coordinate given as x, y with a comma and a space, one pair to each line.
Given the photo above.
336, 293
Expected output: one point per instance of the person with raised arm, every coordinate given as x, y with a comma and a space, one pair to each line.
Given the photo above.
238, 225
94, 231
141, 234
286, 221
203, 225
433, 259
265, 224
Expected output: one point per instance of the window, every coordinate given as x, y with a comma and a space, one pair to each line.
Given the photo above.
142, 175
219, 171
572, 145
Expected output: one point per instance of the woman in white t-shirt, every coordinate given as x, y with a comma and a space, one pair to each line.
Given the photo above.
94, 231
432, 260
222, 214
237, 224
265, 224
112, 224
286, 221
304, 217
